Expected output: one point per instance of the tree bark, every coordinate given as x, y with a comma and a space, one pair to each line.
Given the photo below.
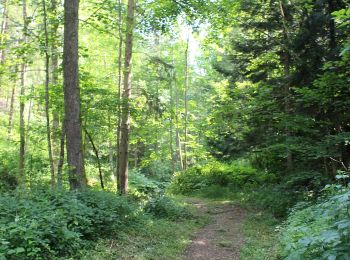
186, 102
125, 113
22, 129
13, 93
75, 158
61, 158
177, 130
54, 76
47, 96
4, 28
286, 60
171, 127
120, 56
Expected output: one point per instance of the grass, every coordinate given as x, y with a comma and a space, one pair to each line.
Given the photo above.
260, 237
149, 239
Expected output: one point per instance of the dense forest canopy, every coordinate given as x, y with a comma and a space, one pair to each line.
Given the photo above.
148, 98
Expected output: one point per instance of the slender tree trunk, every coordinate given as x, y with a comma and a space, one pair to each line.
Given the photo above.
3, 31
97, 157
125, 113
29, 115
332, 34
13, 93
120, 56
171, 130
177, 130
178, 139
22, 129
47, 96
186, 102
75, 156
286, 57
61, 159
54, 77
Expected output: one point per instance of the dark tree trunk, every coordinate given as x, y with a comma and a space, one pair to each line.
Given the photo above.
75, 156
286, 61
125, 114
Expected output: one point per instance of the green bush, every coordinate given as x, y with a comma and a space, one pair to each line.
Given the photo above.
217, 173
143, 187
49, 224
165, 207
319, 231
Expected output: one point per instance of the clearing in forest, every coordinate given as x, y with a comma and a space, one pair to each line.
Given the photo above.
223, 237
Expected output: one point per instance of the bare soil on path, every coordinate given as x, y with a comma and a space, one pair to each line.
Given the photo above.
222, 238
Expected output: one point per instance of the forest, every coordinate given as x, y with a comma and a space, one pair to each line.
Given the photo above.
175, 129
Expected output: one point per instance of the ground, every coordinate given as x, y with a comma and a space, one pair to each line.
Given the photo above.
222, 238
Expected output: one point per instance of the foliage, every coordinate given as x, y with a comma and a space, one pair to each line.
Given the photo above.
45, 224
166, 207
261, 238
217, 173
319, 231
143, 187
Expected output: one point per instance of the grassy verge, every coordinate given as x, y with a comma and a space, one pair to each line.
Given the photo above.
151, 238
261, 237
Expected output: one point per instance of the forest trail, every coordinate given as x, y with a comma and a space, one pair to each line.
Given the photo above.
222, 238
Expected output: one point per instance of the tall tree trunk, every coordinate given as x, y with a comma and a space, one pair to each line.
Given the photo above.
54, 76
186, 102
3, 31
125, 113
75, 158
22, 102
177, 130
171, 127
47, 96
286, 60
120, 56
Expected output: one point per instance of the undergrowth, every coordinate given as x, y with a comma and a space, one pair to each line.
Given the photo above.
319, 231
57, 224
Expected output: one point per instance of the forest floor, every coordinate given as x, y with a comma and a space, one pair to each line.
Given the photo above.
223, 237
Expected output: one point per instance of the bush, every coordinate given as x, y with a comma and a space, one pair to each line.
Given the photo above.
217, 173
165, 207
143, 187
319, 231
50, 224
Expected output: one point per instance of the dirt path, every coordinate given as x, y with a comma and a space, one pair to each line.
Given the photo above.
222, 238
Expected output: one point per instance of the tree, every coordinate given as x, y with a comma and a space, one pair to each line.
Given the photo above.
73, 128
47, 97
125, 112
22, 127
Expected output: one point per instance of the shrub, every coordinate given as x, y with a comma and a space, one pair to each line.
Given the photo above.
165, 207
217, 173
319, 231
49, 224
143, 187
